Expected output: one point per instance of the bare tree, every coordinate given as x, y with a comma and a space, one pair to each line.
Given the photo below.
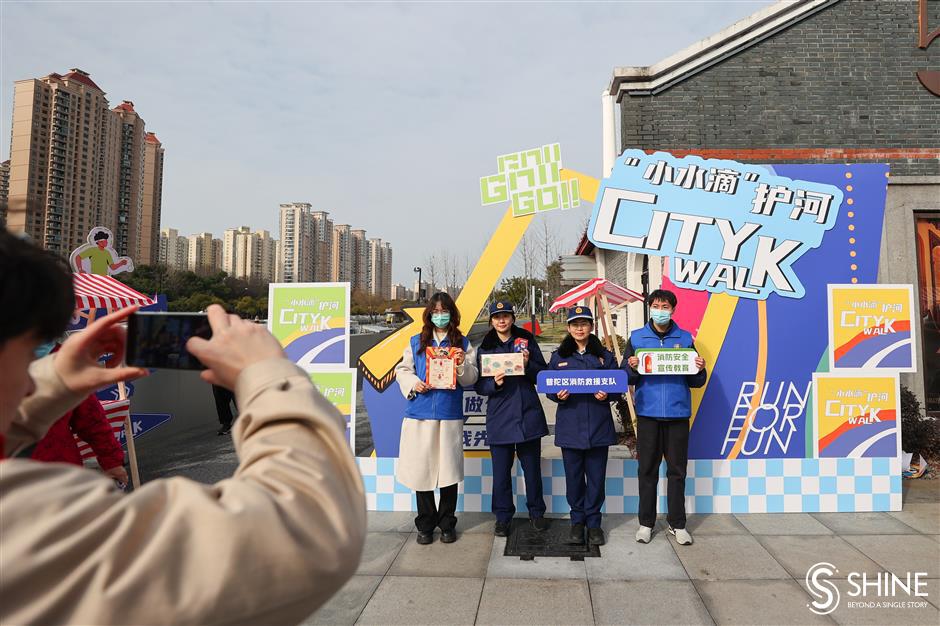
430, 272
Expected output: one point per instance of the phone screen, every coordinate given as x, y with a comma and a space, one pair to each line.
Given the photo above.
158, 340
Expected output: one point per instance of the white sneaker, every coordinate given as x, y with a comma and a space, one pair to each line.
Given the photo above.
644, 534
683, 538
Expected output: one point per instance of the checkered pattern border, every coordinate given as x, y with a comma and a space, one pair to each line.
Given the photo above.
712, 486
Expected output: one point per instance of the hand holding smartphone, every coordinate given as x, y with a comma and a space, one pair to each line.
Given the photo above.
158, 340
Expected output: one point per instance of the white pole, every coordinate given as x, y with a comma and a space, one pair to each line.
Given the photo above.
609, 136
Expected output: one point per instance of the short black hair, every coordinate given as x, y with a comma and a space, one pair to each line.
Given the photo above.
100, 235
662, 294
36, 293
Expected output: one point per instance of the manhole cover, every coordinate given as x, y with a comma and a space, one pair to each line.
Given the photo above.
528, 543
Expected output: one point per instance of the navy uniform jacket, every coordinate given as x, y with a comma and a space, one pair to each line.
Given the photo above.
513, 411
583, 421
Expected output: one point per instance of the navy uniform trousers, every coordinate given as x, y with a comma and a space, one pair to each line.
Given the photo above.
585, 473
529, 453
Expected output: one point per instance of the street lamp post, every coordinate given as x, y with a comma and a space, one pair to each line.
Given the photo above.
418, 294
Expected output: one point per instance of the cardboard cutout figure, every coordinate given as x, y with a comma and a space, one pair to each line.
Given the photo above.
98, 257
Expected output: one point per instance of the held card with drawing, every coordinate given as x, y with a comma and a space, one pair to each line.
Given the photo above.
510, 364
441, 367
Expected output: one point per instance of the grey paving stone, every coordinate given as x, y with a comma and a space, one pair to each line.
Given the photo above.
866, 523
390, 522
856, 610
379, 552
921, 516
424, 600
934, 537
729, 557
900, 554
757, 602
647, 602
921, 491
466, 558
797, 553
620, 523
782, 524
540, 567
625, 559
347, 604
526, 601
475, 522
714, 524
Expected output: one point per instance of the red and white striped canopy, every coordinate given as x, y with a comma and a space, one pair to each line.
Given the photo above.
116, 412
614, 292
103, 292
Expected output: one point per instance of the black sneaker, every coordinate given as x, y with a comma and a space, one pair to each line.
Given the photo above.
539, 523
577, 534
424, 538
448, 536
501, 529
596, 537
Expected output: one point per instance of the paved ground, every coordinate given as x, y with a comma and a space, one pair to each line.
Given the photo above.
742, 569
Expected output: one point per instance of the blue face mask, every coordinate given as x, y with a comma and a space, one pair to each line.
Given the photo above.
660, 316
441, 320
43, 349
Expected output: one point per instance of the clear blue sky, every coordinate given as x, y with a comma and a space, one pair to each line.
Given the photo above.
385, 115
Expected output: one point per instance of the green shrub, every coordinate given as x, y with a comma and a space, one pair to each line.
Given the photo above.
919, 433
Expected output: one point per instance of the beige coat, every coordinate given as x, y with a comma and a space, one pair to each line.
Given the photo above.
268, 546
430, 452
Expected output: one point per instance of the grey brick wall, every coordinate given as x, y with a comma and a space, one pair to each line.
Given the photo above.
842, 78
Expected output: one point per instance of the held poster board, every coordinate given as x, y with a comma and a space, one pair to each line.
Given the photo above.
666, 361
581, 381
509, 363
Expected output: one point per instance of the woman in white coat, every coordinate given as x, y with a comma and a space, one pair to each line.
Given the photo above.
431, 448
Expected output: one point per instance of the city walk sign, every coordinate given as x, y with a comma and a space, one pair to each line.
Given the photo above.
727, 227
311, 320
872, 327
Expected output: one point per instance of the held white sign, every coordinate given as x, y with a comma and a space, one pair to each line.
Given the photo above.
667, 361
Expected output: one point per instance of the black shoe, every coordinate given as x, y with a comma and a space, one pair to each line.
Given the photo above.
501, 529
577, 534
224, 430
448, 536
539, 523
424, 538
596, 537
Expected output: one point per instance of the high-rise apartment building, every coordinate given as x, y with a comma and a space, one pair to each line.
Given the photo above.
174, 249
130, 192
360, 260
296, 255
248, 255
380, 268
342, 269
205, 254
234, 246
75, 164
4, 190
322, 232
260, 257
152, 201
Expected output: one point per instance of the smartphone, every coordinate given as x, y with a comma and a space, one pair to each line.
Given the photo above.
158, 340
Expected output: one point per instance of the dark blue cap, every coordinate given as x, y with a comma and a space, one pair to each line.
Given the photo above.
579, 313
503, 306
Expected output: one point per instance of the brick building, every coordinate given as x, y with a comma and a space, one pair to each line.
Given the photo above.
827, 81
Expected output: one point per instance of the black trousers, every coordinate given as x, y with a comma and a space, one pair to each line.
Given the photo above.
224, 399
656, 439
431, 516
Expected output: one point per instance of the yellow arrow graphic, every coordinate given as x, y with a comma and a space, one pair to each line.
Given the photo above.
378, 363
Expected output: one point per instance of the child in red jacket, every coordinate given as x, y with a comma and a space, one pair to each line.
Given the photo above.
90, 423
